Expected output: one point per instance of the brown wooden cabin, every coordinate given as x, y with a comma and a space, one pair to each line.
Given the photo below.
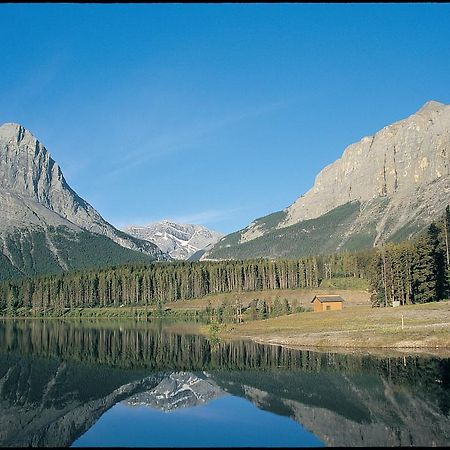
327, 303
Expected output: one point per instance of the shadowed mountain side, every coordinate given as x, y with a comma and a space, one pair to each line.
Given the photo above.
52, 250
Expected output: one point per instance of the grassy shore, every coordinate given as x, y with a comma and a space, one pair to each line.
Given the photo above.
425, 326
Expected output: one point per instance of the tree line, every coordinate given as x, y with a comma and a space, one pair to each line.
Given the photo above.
156, 283
158, 347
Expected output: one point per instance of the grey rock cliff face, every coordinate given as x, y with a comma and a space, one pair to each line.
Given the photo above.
34, 193
180, 241
395, 162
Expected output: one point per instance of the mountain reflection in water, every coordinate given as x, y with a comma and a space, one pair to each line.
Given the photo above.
62, 381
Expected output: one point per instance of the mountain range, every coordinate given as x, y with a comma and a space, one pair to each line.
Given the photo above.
179, 241
386, 187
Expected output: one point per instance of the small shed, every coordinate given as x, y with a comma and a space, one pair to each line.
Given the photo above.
327, 302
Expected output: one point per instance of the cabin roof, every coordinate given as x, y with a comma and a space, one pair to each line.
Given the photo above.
328, 298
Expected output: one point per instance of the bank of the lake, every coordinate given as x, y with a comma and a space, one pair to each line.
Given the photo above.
358, 327
426, 327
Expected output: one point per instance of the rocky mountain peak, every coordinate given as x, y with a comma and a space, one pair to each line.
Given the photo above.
179, 240
26, 167
34, 193
431, 106
15, 131
397, 160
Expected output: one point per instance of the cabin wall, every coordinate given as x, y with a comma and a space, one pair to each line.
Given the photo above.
317, 306
330, 306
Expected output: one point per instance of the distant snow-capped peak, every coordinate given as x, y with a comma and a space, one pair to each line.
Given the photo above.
179, 240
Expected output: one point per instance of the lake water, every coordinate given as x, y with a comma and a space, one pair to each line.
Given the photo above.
124, 383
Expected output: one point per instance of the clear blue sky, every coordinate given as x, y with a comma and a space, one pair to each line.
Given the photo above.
213, 114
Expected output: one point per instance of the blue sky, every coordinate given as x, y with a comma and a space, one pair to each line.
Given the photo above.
206, 425
213, 114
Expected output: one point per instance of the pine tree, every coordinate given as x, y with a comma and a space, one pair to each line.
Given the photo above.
425, 267
446, 276
376, 279
277, 307
286, 306
262, 309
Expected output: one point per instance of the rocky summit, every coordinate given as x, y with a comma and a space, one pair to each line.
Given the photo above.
44, 225
386, 187
180, 241
178, 390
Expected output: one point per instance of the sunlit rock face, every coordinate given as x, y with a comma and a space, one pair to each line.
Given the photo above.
401, 159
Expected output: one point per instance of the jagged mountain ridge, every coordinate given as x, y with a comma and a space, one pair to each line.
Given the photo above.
36, 201
393, 184
178, 240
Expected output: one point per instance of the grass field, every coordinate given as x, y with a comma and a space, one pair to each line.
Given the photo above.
425, 326
296, 297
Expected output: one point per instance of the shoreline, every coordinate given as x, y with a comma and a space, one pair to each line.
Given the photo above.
408, 330
415, 329
382, 351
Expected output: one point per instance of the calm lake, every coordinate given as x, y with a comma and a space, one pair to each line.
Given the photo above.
158, 384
